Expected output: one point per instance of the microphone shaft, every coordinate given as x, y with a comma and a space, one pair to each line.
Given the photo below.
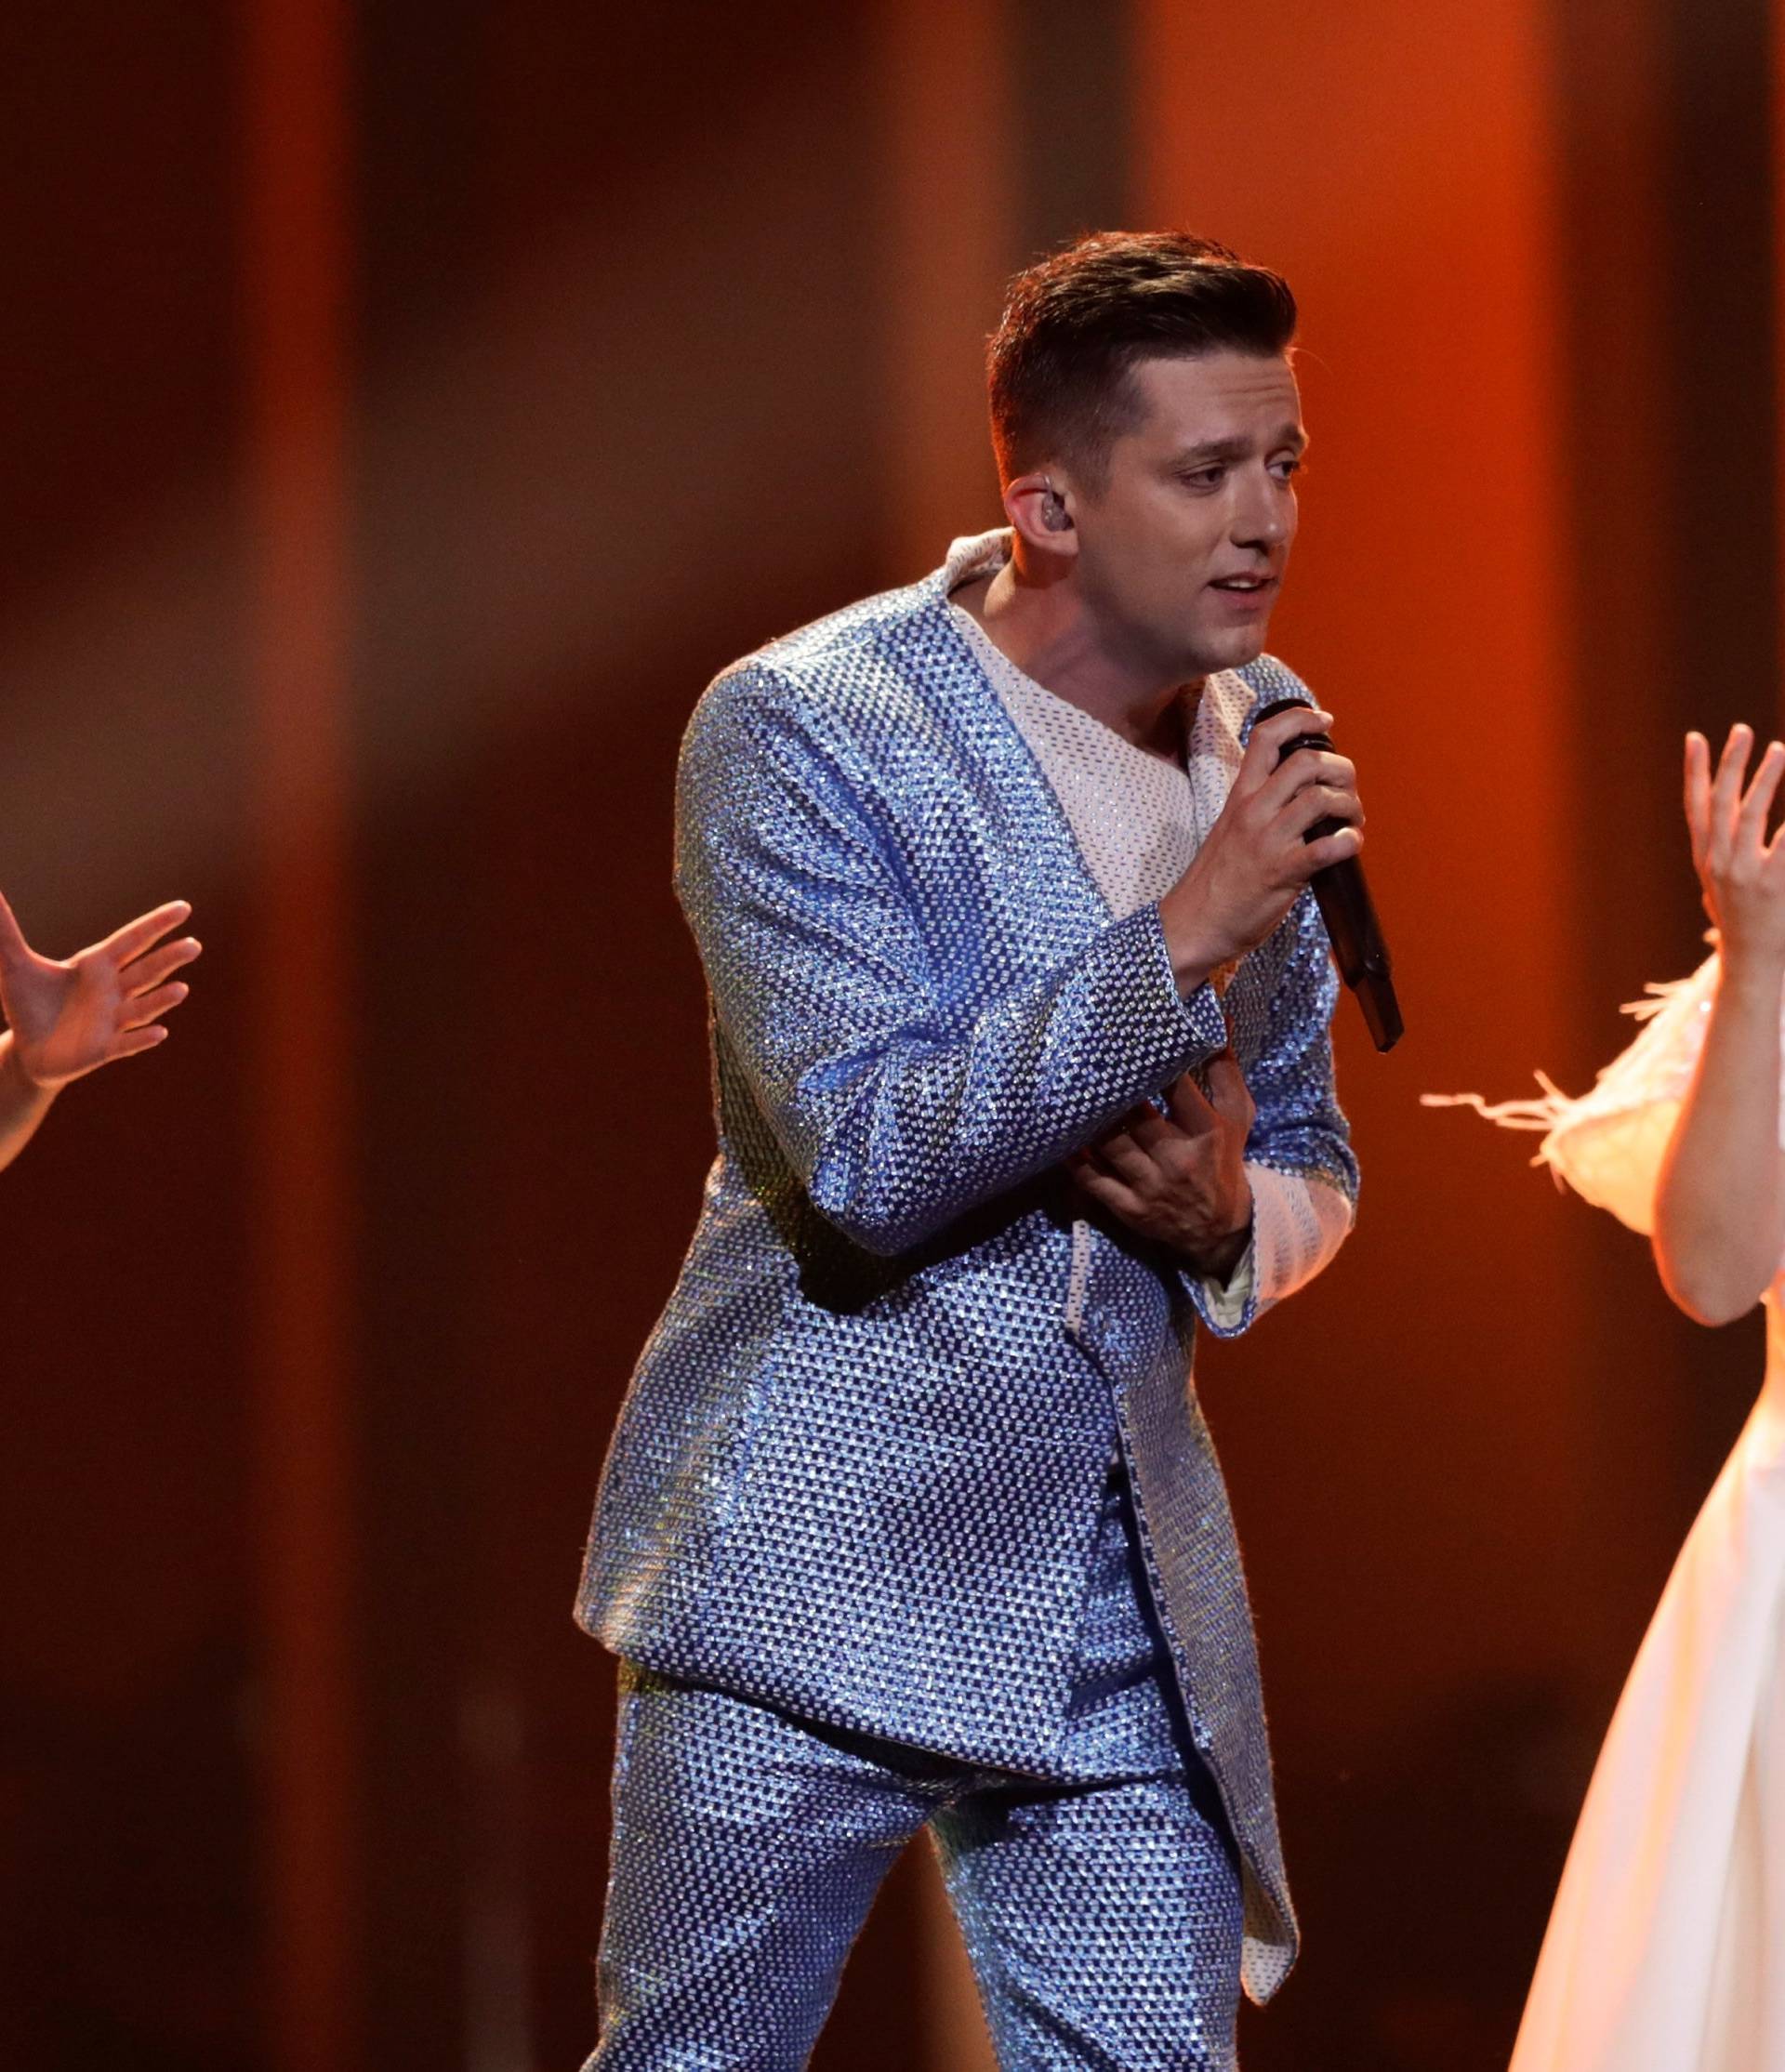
1359, 949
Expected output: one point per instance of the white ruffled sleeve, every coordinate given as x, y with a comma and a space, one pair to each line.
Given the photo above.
1609, 1144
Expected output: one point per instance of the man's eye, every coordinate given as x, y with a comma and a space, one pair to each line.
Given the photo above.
1285, 467
1203, 478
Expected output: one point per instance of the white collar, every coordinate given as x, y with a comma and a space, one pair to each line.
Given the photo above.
975, 554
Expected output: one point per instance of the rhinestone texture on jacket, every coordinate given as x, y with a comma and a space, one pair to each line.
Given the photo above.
861, 1465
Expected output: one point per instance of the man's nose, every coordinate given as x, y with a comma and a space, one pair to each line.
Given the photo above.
1263, 514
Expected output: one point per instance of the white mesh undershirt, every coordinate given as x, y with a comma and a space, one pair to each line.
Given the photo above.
1135, 819
1139, 821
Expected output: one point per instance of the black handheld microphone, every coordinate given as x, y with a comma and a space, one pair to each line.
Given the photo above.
1357, 946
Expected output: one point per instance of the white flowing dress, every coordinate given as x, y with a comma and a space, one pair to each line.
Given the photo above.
1665, 1951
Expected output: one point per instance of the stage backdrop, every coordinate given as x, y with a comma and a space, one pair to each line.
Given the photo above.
410, 407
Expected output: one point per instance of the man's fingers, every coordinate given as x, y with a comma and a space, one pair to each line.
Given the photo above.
1119, 1156
1107, 1189
1310, 770
1317, 802
1228, 1092
152, 969
1191, 1108
1332, 848
1308, 852
145, 931
1155, 1135
1269, 739
1197, 1113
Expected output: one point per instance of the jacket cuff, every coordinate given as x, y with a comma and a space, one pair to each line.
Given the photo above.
1229, 1307
1202, 1026
1299, 1222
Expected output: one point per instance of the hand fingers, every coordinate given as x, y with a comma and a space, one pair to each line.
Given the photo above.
134, 1041
1151, 1133
1119, 1156
1332, 848
147, 930
1698, 792
1147, 1144
1228, 1092
154, 967
13, 945
1157, 1137
1312, 767
1103, 1188
1197, 1113
149, 1005
1330, 795
1269, 739
1191, 1108
1320, 802
1751, 820
1734, 759
1725, 789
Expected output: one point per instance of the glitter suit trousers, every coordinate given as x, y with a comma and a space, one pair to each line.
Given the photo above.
1101, 1906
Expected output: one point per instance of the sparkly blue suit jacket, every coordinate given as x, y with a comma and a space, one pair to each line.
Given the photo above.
859, 1467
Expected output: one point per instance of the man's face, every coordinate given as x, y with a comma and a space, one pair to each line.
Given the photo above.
1181, 549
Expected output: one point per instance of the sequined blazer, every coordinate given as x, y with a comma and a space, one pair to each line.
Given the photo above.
859, 1467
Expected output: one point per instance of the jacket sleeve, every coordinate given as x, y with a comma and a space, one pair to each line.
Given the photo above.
897, 1110
1298, 1157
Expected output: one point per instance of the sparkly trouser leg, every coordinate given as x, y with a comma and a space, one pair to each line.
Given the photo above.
1103, 1920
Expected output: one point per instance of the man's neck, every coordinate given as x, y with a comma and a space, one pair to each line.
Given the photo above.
1045, 630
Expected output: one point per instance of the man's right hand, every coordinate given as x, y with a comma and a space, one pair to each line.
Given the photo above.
1253, 863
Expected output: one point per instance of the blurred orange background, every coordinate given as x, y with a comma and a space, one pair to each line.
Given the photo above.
409, 409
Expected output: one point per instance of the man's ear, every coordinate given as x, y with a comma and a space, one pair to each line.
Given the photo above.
1039, 510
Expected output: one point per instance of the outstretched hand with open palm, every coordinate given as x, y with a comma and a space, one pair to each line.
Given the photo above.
1742, 872
70, 1017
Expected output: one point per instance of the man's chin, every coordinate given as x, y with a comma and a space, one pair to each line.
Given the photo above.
1232, 648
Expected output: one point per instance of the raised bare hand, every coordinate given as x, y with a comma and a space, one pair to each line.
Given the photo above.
1254, 861
1741, 874
68, 1018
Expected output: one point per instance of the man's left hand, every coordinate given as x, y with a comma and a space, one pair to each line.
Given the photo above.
1180, 1179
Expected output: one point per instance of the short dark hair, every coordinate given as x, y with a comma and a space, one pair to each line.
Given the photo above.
1058, 368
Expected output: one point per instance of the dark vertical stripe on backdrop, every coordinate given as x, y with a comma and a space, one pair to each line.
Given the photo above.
1722, 486
1667, 220
1721, 359
1071, 64
423, 1147
1668, 267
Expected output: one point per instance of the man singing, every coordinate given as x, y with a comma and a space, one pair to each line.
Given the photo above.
1020, 1013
